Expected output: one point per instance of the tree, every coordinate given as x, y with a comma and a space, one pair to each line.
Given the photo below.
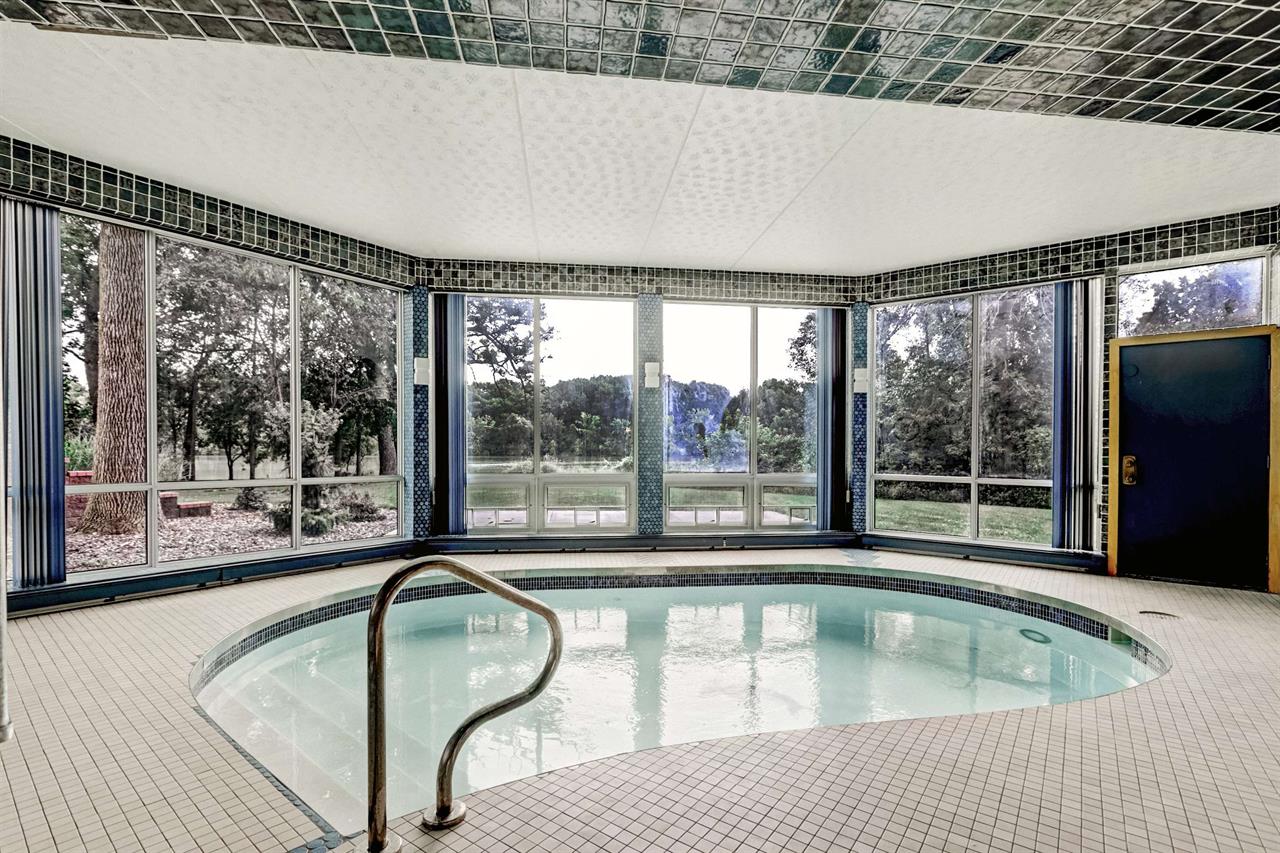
119, 447
1205, 297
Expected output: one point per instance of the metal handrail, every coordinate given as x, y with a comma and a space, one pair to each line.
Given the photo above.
447, 813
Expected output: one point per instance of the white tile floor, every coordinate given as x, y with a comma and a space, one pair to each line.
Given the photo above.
111, 754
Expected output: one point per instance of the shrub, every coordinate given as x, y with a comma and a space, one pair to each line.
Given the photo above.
79, 453
251, 499
281, 517
315, 522
359, 506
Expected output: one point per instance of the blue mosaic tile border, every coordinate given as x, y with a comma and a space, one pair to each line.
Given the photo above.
649, 462
42, 174
919, 586
421, 483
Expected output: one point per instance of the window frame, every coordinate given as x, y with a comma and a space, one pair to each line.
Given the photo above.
536, 483
752, 480
973, 479
1270, 284
153, 486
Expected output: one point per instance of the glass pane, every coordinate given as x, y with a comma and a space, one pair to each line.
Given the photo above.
348, 511
923, 388
500, 376
707, 362
787, 367
104, 360
349, 377
712, 505
212, 522
222, 364
586, 505
1188, 299
587, 364
93, 544
788, 506
922, 507
1015, 394
497, 505
1016, 513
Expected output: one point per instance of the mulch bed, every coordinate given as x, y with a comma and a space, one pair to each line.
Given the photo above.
226, 531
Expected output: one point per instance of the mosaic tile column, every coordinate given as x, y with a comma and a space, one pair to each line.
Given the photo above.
858, 312
419, 482
649, 441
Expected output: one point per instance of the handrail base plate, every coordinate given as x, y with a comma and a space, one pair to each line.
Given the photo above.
432, 822
393, 845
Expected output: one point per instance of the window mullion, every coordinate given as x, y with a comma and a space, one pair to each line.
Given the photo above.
152, 511
295, 402
536, 498
753, 443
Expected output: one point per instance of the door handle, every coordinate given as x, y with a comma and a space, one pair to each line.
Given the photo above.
1128, 470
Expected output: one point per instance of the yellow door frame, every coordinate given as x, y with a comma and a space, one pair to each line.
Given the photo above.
1113, 426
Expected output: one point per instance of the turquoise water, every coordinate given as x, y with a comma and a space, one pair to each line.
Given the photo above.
641, 668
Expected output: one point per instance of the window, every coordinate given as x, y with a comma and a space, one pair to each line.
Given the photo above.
1187, 299
550, 380
741, 435
216, 465
964, 416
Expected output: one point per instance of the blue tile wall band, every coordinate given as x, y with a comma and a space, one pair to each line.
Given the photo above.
649, 459
443, 587
858, 313
419, 486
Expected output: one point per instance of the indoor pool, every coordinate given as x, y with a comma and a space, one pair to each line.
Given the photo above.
642, 667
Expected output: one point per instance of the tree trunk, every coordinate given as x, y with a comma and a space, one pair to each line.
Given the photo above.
92, 312
387, 461
189, 438
120, 436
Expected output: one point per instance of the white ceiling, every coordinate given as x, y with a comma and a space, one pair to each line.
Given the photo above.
450, 160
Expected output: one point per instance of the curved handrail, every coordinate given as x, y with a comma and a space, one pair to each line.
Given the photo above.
447, 813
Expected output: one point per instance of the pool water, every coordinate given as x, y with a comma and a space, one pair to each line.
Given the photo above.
641, 668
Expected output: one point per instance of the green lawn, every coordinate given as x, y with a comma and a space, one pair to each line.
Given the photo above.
1012, 523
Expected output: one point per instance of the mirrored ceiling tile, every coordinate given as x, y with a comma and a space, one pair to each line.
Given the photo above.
918, 69
1164, 12
807, 81
479, 52
547, 10
1002, 53
1265, 24
472, 27
948, 72
962, 21
997, 24
649, 67
776, 80
1094, 62
1160, 41
868, 87
955, 96
722, 51
1190, 46
1128, 11
871, 40
906, 44
321, 14
1013, 101
1030, 28
585, 12
330, 38
696, 22
515, 55
928, 17
621, 15
939, 47
1198, 16
1221, 49
680, 69
618, 41
977, 75
587, 38
897, 91
1184, 71
837, 36
278, 10
1035, 56
768, 30
756, 54
660, 19
654, 44
1008, 79
687, 47
855, 11
892, 14
853, 63
1056, 8
512, 32
582, 62
547, 34
1255, 51
508, 8
434, 24
886, 66
779, 8
258, 32
1066, 106
712, 73
1065, 83
744, 78
745, 6
220, 28
615, 65
1203, 97
816, 10
417, 46
803, 33
296, 35
822, 60
1065, 32
732, 26
789, 57
1098, 34
1039, 81
549, 58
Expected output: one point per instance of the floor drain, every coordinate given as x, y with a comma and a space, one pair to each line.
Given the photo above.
1159, 614
1035, 636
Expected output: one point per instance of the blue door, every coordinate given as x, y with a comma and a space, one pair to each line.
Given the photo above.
1194, 438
